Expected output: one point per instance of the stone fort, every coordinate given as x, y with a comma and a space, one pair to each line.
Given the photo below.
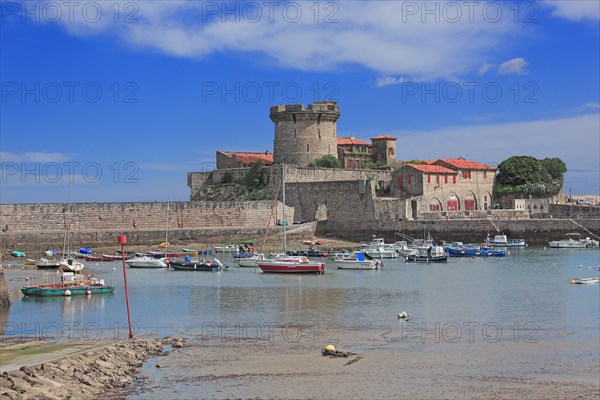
371, 192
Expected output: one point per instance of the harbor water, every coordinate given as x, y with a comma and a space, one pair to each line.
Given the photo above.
526, 297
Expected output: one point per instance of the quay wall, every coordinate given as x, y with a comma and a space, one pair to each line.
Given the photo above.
144, 223
344, 209
535, 231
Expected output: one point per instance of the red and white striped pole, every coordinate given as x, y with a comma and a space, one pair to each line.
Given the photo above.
122, 240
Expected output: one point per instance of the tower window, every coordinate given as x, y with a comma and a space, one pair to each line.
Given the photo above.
295, 132
319, 133
307, 148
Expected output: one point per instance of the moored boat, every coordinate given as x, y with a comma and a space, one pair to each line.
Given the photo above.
585, 281
292, 264
458, 249
196, 265
232, 248
426, 250
70, 265
17, 253
69, 286
145, 262
251, 261
357, 260
504, 241
570, 243
103, 258
43, 263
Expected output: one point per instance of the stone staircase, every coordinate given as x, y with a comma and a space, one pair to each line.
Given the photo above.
585, 229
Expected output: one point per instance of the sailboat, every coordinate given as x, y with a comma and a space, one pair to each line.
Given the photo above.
286, 263
68, 263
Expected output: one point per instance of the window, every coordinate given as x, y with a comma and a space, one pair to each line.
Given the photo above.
390, 151
484, 174
469, 174
454, 179
319, 133
428, 178
445, 178
464, 174
400, 181
307, 148
408, 179
437, 179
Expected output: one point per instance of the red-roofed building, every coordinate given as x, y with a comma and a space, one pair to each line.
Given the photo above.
444, 185
353, 153
228, 159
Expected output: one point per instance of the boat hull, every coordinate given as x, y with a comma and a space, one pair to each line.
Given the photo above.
292, 267
585, 281
355, 265
191, 266
425, 259
75, 290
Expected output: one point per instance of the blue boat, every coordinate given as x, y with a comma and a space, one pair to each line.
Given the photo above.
458, 249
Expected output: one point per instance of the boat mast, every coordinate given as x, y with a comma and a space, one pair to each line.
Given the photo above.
167, 232
284, 220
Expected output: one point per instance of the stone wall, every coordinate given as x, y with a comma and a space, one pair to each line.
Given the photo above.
575, 212
536, 232
5, 300
144, 223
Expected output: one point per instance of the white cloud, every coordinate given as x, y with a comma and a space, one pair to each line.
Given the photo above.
390, 80
575, 10
595, 106
484, 68
515, 66
391, 38
32, 156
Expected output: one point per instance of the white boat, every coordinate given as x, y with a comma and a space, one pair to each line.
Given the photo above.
426, 250
585, 281
570, 243
380, 252
503, 241
356, 260
145, 262
70, 264
251, 261
232, 248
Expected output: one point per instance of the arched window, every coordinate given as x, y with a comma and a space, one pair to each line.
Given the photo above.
391, 151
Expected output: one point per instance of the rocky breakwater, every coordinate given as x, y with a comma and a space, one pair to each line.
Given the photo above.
84, 375
4, 296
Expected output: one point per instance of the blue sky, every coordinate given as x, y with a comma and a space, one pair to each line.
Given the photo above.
124, 98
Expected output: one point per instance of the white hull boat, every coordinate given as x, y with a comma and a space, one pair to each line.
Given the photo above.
145, 262
585, 281
251, 261
356, 261
70, 265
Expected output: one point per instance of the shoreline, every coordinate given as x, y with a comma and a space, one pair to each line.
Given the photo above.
74, 370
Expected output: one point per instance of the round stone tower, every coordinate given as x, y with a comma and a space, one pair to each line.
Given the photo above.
304, 134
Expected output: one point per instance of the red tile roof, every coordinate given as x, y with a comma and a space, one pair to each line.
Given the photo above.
384, 137
466, 164
431, 169
351, 140
249, 158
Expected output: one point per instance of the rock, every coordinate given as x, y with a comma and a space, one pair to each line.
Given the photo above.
20, 385
159, 365
27, 371
10, 394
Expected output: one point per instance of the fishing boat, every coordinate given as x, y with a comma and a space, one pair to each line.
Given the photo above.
458, 249
69, 264
585, 281
145, 262
103, 258
426, 250
310, 252
357, 260
377, 248
51, 253
69, 286
570, 243
503, 241
286, 263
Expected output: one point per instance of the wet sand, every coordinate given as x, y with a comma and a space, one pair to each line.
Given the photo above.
217, 368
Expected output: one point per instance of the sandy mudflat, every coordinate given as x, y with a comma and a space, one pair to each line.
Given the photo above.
213, 368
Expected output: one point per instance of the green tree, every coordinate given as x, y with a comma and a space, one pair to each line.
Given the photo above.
327, 161
227, 177
526, 174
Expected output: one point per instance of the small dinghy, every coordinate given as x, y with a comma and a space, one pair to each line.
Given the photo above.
585, 281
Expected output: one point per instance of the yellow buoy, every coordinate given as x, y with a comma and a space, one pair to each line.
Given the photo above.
329, 347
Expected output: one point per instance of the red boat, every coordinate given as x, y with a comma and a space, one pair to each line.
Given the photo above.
292, 265
90, 258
